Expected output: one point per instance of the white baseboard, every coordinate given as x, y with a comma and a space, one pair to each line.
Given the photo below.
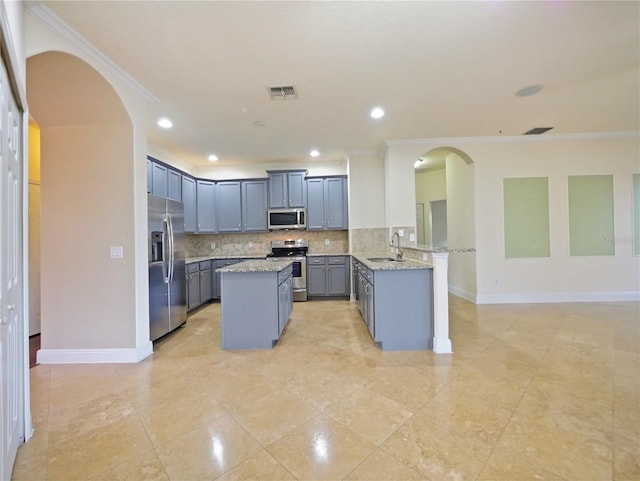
469, 296
94, 356
550, 297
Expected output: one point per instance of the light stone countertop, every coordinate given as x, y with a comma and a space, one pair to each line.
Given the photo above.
273, 264
191, 260
405, 264
325, 254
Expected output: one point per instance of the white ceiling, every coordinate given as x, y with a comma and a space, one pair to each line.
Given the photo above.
439, 69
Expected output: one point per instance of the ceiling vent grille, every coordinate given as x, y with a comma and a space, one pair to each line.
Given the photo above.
537, 131
286, 92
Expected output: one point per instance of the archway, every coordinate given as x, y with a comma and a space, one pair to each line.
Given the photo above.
87, 298
444, 177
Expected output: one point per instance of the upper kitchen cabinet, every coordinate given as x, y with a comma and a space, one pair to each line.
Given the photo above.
287, 188
174, 185
158, 179
228, 206
254, 205
327, 203
189, 201
149, 176
206, 206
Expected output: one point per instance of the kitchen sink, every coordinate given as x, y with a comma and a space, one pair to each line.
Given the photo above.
384, 259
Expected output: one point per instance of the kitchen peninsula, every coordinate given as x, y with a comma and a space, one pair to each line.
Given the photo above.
256, 302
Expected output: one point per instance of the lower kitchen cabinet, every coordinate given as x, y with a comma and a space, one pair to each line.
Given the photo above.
328, 276
193, 285
205, 281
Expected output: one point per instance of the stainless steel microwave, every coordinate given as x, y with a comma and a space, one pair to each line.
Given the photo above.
287, 219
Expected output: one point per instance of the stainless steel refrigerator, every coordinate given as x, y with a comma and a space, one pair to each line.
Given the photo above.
167, 279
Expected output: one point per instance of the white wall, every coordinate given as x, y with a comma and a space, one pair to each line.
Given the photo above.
400, 188
258, 170
560, 277
430, 185
366, 191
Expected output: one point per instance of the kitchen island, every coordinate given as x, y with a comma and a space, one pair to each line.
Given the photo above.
395, 298
256, 301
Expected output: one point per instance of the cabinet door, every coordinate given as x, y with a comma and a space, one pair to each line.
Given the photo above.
206, 206
149, 176
337, 280
174, 185
205, 286
315, 204
193, 290
189, 201
370, 309
159, 180
336, 204
254, 206
316, 279
228, 206
296, 185
277, 190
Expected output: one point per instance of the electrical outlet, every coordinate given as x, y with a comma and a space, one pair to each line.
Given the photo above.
401, 232
117, 252
213, 245
412, 237
250, 244
425, 256
327, 242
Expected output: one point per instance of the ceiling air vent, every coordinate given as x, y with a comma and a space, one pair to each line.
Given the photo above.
287, 92
537, 131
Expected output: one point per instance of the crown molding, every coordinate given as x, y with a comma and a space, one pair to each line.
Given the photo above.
516, 138
44, 14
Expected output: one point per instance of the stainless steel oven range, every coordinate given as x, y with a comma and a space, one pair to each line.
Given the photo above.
296, 249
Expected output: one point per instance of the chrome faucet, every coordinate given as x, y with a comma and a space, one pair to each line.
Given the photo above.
399, 250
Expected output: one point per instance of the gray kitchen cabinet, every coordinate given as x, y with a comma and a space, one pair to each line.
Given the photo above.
193, 286
158, 179
327, 203
174, 185
255, 306
287, 188
397, 306
189, 202
228, 206
254, 205
205, 281
206, 206
328, 276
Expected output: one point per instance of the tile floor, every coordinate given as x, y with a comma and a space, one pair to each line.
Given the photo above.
533, 392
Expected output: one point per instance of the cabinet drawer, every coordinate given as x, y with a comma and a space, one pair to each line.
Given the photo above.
191, 268
204, 265
315, 261
335, 260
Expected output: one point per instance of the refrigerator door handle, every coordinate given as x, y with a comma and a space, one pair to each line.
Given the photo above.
171, 254
165, 248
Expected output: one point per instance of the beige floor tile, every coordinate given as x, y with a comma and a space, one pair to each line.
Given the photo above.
382, 467
146, 466
561, 452
408, 386
261, 466
322, 388
83, 390
505, 465
371, 415
321, 449
274, 415
208, 451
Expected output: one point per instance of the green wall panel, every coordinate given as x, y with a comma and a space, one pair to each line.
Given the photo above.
636, 214
591, 231
526, 217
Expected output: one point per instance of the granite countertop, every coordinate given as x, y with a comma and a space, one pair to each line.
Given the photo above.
405, 264
273, 264
191, 260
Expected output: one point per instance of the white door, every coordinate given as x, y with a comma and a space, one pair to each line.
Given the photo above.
11, 345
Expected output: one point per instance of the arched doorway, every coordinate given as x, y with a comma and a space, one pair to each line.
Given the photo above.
444, 179
87, 192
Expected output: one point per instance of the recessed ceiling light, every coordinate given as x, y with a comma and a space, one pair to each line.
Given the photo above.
165, 123
377, 113
529, 90
314, 153
212, 158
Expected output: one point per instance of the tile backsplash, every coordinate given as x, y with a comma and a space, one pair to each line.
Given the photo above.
259, 243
